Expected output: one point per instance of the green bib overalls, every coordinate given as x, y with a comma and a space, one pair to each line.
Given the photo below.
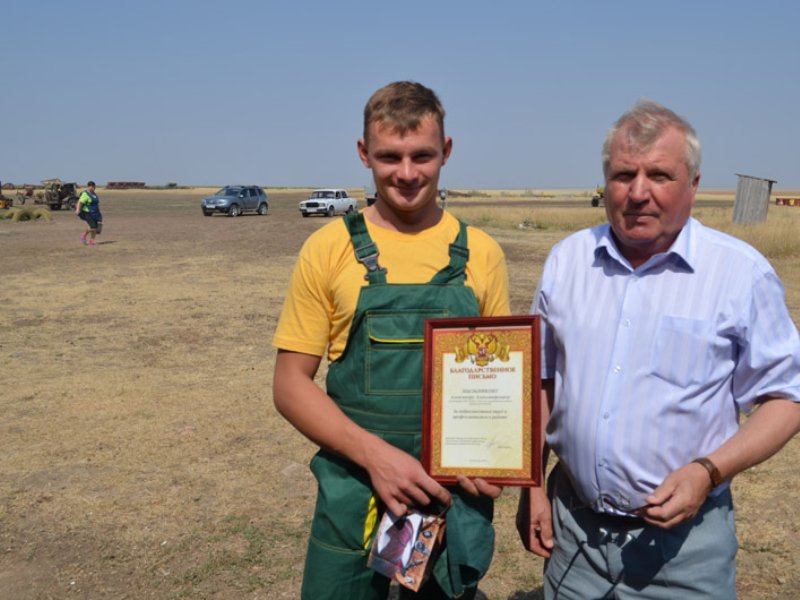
377, 382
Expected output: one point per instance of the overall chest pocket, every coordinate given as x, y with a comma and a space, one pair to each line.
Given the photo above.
394, 350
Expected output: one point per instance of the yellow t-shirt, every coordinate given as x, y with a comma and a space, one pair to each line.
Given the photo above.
327, 279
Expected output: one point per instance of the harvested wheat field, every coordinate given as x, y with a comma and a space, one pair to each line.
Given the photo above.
140, 454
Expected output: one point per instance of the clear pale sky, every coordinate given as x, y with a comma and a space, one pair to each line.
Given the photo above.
272, 92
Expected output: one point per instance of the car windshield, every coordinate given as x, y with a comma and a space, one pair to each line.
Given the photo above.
228, 192
322, 194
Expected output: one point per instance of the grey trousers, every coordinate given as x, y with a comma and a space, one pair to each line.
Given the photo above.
603, 556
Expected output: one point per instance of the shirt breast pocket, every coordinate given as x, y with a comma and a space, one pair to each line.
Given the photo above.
683, 350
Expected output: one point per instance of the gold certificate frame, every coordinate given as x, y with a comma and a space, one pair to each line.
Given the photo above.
482, 397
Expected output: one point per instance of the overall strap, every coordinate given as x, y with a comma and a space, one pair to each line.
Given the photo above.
459, 255
365, 249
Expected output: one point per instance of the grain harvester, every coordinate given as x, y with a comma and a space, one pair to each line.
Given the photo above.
599, 196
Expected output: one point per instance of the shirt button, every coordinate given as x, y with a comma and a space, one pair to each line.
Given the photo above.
617, 369
626, 323
606, 415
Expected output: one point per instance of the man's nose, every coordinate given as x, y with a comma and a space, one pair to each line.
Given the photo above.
639, 190
408, 170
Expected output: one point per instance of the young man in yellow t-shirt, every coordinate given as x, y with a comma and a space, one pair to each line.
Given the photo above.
361, 290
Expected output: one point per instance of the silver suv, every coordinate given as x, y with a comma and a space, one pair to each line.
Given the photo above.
233, 200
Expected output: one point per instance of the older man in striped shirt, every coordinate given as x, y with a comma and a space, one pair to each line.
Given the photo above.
657, 333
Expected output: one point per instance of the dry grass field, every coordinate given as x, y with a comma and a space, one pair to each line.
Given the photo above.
140, 454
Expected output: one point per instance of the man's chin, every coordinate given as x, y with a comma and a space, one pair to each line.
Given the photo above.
639, 229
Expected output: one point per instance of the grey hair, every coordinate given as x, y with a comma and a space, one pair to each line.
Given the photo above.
645, 123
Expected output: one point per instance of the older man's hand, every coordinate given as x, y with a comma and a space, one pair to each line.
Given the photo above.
678, 498
535, 521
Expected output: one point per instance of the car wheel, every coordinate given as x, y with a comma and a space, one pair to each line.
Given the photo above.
331, 212
262, 209
207, 213
234, 210
351, 209
304, 215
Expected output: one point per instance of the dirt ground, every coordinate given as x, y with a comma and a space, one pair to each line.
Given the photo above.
140, 454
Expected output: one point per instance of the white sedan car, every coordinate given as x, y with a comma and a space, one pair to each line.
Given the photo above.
328, 203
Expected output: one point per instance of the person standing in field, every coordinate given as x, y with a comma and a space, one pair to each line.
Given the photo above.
361, 290
689, 328
88, 209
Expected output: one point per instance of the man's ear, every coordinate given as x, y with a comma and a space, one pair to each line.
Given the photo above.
448, 148
362, 152
695, 185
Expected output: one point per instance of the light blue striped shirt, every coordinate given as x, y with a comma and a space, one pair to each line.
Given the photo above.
652, 365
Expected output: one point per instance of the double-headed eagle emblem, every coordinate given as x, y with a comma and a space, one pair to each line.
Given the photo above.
481, 349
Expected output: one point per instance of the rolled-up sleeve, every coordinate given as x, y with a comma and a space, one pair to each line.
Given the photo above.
769, 348
539, 307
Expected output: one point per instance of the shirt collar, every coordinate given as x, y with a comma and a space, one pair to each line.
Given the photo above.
682, 254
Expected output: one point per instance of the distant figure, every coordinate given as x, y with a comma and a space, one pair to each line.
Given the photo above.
88, 209
27, 192
687, 328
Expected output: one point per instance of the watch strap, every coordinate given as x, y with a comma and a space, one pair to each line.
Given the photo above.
713, 471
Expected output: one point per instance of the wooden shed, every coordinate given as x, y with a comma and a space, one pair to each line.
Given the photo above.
752, 199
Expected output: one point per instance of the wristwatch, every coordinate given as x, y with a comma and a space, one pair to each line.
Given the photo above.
713, 471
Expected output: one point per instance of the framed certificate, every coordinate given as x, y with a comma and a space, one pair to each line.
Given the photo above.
482, 396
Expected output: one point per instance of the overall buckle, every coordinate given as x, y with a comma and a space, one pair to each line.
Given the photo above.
368, 256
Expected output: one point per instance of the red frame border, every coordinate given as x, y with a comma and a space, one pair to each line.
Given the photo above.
431, 325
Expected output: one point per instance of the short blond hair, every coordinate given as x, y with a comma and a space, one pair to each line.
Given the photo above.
403, 105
